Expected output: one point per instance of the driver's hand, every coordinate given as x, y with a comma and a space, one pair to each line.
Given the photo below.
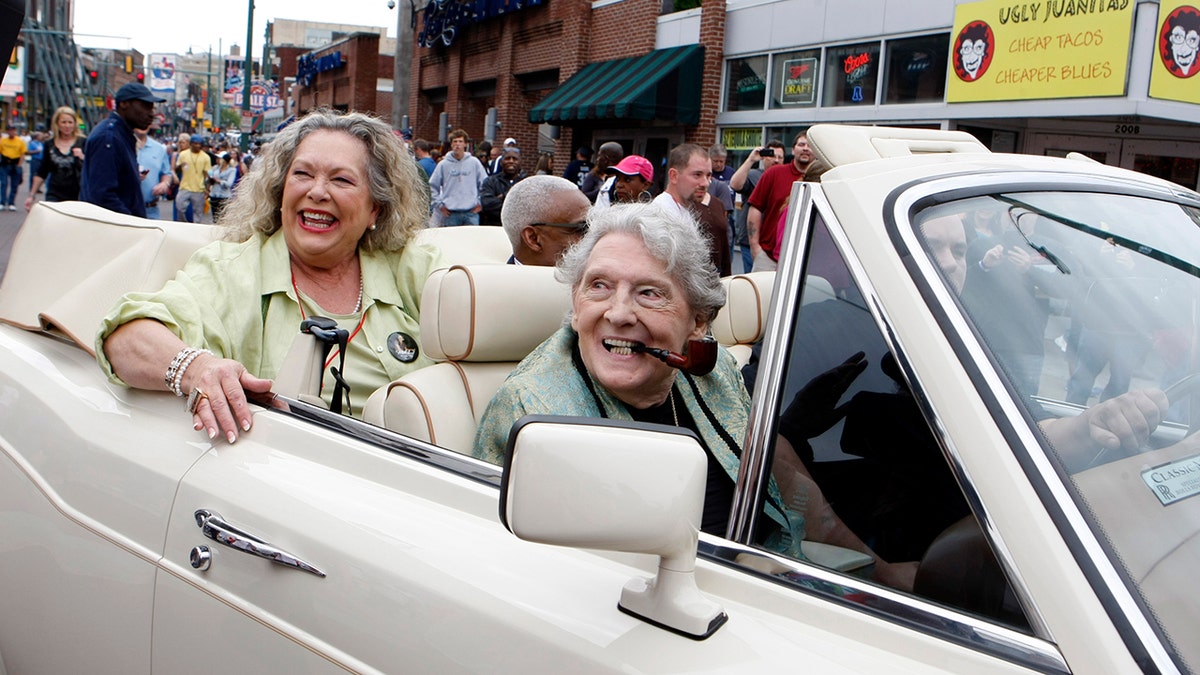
900, 575
814, 409
1127, 420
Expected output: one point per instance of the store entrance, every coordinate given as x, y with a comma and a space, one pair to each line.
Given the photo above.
1176, 161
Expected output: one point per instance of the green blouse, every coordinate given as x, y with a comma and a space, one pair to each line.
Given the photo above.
237, 299
546, 382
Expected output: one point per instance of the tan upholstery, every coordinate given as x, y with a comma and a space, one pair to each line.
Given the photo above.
743, 319
480, 321
72, 261
468, 245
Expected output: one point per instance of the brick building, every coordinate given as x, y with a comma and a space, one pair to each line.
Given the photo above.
343, 75
566, 73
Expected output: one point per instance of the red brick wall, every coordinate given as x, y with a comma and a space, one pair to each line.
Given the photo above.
562, 35
625, 29
552, 36
353, 86
712, 36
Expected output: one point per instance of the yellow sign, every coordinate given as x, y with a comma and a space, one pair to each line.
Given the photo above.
1176, 43
741, 138
1010, 51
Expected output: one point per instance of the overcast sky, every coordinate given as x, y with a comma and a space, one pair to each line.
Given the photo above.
210, 22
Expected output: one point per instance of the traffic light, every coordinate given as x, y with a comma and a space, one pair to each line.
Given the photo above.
93, 75
129, 64
20, 99
141, 78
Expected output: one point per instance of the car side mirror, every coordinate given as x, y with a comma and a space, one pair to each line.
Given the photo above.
616, 486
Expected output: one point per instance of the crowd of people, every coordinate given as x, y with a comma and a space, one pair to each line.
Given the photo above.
121, 165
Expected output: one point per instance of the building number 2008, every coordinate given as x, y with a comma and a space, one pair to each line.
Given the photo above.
1127, 129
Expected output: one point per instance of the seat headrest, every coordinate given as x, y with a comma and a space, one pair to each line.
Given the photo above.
490, 312
743, 319
468, 245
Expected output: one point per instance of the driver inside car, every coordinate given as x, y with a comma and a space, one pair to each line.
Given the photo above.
1123, 423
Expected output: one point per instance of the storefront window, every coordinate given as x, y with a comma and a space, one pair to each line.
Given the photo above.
916, 69
786, 135
851, 74
746, 83
794, 79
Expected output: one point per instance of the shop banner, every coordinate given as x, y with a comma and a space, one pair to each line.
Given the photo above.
1011, 51
1176, 45
162, 72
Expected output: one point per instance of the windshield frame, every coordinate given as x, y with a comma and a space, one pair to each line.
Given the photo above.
1123, 606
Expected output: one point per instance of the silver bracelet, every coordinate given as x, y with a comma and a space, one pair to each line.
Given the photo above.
169, 378
179, 366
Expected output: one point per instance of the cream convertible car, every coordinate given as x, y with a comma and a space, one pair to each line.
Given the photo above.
938, 311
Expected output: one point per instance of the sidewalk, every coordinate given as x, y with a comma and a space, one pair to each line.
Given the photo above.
10, 223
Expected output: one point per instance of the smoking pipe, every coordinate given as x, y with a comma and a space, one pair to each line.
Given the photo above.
700, 359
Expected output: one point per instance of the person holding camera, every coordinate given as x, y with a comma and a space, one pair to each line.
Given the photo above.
743, 182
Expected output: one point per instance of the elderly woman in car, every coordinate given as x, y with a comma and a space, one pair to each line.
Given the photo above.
321, 226
642, 283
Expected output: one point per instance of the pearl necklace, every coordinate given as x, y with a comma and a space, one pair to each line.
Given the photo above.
358, 305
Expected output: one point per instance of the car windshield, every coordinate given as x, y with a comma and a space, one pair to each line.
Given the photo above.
1089, 305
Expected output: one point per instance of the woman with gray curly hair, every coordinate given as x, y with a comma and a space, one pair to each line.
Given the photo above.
320, 227
642, 287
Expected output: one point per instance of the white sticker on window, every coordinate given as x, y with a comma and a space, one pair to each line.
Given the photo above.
1174, 481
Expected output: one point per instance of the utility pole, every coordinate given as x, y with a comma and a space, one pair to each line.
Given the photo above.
208, 90
220, 85
247, 73
402, 63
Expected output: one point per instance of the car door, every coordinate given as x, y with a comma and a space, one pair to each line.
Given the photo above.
911, 462
84, 498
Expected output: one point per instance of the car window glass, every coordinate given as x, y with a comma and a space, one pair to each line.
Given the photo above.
849, 416
1088, 306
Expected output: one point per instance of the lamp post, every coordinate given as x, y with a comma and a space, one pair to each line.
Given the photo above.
402, 63
247, 73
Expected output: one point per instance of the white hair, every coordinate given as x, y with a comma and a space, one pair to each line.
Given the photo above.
528, 201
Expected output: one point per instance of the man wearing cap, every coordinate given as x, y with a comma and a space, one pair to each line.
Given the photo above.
495, 164
496, 186
629, 181
193, 166
110, 167
543, 215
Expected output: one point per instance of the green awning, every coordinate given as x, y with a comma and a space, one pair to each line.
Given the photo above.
661, 85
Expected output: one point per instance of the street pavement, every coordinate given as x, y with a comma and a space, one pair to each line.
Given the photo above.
10, 224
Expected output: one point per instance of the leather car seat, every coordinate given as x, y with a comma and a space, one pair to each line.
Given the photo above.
743, 319
479, 321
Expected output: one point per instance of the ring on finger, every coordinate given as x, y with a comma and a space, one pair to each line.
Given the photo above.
195, 398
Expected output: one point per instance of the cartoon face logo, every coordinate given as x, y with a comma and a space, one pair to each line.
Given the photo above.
973, 51
1179, 41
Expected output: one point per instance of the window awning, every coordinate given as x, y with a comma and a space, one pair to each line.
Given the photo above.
661, 85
